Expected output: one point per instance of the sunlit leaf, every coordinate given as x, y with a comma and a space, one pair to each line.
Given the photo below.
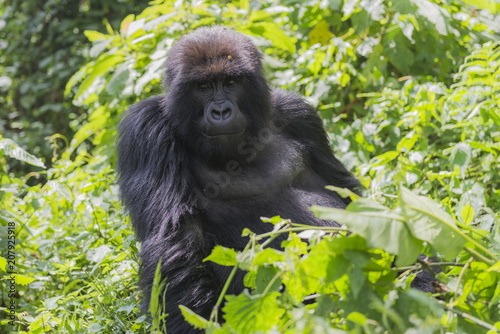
223, 256
13, 150
249, 314
380, 228
320, 33
194, 319
428, 222
93, 35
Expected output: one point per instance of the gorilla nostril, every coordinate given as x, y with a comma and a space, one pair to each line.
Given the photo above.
226, 114
216, 115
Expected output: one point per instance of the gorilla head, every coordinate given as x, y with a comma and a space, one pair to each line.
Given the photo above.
216, 87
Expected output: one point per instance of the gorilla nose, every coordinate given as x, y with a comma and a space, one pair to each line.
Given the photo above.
222, 119
219, 114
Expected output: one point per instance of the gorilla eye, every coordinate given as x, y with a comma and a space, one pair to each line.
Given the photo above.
204, 85
230, 82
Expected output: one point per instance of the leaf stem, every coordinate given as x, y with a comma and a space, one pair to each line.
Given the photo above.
215, 311
296, 229
474, 320
480, 257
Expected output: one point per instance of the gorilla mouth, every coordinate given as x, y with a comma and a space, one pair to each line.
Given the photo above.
223, 134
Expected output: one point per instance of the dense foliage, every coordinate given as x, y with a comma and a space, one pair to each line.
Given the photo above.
410, 94
41, 46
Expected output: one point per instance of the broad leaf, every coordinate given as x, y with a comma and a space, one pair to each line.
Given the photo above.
10, 148
428, 222
223, 256
380, 227
249, 314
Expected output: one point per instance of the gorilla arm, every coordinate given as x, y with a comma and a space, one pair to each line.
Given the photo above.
304, 125
156, 188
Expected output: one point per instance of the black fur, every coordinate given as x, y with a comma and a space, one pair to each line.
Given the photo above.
187, 192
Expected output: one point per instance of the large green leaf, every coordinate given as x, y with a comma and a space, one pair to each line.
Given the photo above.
10, 148
428, 222
101, 67
223, 256
380, 227
249, 314
272, 32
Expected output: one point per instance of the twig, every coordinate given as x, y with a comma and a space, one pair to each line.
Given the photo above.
215, 311
461, 275
431, 264
297, 229
474, 320
479, 256
426, 266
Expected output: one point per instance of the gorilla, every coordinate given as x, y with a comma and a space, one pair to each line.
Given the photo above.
216, 152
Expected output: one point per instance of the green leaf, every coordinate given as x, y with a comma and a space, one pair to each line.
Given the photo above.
119, 79
157, 295
125, 23
408, 142
245, 4
96, 123
268, 256
13, 150
428, 222
75, 78
495, 267
273, 220
467, 214
3, 263
357, 318
194, 319
135, 26
101, 67
384, 158
380, 227
461, 156
344, 192
483, 4
51, 303
433, 13
99, 47
264, 277
95, 35
396, 47
320, 33
23, 280
272, 32
223, 256
94, 328
249, 314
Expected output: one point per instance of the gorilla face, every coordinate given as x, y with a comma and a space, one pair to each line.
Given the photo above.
216, 87
222, 119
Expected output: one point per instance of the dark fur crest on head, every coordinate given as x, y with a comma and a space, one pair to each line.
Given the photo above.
210, 53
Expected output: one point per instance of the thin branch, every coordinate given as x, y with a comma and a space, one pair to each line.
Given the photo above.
480, 257
474, 320
215, 311
461, 275
300, 229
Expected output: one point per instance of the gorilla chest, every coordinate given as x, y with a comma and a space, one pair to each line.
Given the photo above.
278, 181
290, 201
